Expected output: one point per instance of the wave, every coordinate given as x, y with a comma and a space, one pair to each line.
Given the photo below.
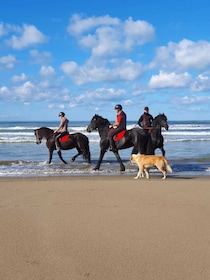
111, 168
194, 133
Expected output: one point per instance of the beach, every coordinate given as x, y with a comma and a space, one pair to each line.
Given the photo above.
105, 228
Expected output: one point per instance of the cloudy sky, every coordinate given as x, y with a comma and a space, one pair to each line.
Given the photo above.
83, 57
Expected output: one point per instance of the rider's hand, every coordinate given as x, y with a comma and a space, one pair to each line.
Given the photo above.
111, 126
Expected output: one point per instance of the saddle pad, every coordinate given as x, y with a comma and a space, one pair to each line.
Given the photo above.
64, 138
119, 135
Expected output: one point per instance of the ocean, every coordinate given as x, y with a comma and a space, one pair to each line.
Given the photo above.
187, 146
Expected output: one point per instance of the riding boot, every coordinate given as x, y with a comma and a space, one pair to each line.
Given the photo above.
57, 145
112, 145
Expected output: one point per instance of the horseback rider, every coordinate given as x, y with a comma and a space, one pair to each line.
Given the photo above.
61, 130
119, 125
145, 120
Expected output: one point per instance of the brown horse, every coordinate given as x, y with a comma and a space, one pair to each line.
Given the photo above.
76, 140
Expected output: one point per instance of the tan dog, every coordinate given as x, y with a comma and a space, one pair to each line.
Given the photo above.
145, 162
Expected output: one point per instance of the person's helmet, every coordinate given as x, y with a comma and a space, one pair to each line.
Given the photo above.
146, 108
61, 114
118, 106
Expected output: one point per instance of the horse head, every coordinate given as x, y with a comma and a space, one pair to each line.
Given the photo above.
161, 120
43, 132
38, 137
97, 122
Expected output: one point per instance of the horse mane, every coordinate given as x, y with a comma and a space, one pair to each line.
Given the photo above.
101, 118
163, 115
47, 128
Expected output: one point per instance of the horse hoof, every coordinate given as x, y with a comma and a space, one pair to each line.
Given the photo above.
96, 168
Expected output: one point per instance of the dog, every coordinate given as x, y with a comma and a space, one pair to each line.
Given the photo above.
144, 163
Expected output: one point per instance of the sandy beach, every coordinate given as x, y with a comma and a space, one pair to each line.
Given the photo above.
104, 228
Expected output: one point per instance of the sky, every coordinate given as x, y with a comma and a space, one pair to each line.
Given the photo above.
84, 57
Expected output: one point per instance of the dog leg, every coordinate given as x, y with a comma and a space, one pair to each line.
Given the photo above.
146, 172
138, 175
164, 174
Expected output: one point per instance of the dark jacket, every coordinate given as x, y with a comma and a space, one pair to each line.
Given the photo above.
145, 120
123, 120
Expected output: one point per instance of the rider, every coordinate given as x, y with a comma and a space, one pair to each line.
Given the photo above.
145, 120
119, 125
61, 130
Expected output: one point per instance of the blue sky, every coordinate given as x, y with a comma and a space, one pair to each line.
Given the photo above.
83, 57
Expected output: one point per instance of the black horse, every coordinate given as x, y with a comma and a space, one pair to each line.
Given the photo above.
132, 138
157, 141
76, 140
155, 137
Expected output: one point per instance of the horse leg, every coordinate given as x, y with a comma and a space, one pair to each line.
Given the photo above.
97, 167
163, 151
134, 151
122, 167
50, 156
78, 154
60, 156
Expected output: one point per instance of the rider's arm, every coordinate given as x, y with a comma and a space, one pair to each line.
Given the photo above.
117, 122
60, 126
140, 121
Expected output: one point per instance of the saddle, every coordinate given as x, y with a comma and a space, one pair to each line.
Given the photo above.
119, 135
64, 138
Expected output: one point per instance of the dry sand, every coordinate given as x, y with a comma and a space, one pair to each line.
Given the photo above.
104, 228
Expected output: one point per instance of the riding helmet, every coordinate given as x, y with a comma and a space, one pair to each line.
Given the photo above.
118, 106
61, 114
146, 108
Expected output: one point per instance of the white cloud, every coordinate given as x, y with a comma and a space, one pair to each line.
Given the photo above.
166, 80
185, 55
191, 54
7, 62
19, 78
195, 99
99, 96
138, 32
30, 35
90, 73
79, 25
128, 102
107, 36
47, 71
2, 29
201, 83
40, 58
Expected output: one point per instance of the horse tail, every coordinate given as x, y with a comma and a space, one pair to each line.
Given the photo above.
168, 167
83, 144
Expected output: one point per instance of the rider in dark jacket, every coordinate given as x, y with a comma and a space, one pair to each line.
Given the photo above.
145, 120
119, 125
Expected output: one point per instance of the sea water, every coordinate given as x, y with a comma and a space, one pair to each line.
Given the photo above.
187, 146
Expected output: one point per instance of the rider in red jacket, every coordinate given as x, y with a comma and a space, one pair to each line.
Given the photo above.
119, 125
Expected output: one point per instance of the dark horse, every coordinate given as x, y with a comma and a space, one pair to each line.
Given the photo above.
138, 138
76, 140
132, 138
155, 138
157, 141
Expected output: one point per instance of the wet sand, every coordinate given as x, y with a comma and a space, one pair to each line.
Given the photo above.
105, 228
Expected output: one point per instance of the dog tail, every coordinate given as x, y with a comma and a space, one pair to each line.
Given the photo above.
168, 167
